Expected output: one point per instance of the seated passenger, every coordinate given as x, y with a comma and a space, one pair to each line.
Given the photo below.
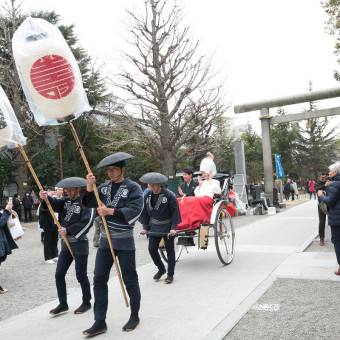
188, 187
210, 186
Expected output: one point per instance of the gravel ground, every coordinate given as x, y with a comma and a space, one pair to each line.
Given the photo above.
306, 309
30, 280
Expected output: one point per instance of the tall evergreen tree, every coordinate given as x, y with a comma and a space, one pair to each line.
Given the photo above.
253, 154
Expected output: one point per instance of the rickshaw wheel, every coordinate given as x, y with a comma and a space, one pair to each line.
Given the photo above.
178, 252
224, 236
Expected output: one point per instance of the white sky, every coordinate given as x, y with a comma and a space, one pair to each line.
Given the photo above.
267, 48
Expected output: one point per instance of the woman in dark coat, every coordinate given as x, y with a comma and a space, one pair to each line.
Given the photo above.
286, 190
17, 205
332, 199
7, 243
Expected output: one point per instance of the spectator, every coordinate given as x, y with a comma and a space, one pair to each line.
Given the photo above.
332, 199
321, 185
286, 190
50, 238
293, 188
311, 186
7, 243
17, 205
307, 185
28, 202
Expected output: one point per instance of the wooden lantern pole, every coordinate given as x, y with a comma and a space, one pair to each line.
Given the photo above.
99, 204
46, 199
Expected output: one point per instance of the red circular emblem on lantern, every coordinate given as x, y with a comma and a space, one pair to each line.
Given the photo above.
52, 77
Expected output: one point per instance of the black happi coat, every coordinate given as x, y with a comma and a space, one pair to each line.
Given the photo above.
127, 199
161, 212
76, 220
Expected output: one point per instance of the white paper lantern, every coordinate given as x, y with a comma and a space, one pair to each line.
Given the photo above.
48, 71
6, 129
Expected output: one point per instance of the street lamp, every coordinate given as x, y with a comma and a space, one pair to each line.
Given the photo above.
59, 140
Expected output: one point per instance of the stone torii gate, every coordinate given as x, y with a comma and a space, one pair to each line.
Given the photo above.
267, 120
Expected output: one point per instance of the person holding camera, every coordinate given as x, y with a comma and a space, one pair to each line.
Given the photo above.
331, 197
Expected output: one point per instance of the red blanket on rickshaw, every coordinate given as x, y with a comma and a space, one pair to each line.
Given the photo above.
196, 210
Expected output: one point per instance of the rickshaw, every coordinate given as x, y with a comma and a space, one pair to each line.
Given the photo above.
220, 223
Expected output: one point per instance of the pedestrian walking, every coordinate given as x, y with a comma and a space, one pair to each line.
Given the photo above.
76, 222
331, 197
161, 213
122, 203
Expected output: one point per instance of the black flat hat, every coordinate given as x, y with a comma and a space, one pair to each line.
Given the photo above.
153, 178
115, 159
72, 182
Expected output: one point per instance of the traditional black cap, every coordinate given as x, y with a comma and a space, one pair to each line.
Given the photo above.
116, 159
72, 182
153, 178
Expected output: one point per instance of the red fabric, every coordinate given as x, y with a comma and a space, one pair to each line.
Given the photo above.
194, 210
231, 208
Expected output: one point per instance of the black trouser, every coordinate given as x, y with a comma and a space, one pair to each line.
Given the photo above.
104, 262
29, 212
336, 241
170, 251
312, 193
64, 262
19, 213
292, 193
322, 223
50, 243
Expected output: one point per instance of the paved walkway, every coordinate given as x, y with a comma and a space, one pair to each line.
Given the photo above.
206, 299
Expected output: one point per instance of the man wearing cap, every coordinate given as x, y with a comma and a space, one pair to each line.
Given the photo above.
122, 203
188, 187
75, 222
161, 213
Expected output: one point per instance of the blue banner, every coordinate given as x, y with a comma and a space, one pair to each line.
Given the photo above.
279, 170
